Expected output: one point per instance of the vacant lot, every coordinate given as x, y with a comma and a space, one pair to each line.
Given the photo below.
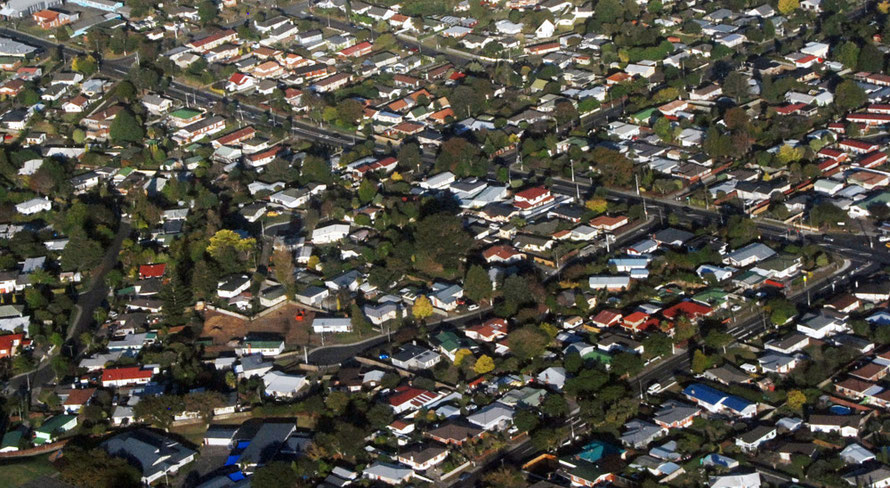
224, 328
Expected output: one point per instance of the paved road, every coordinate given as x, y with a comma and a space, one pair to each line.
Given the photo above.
87, 302
339, 354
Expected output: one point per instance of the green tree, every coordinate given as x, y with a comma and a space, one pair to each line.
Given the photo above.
283, 264
849, 95
409, 156
275, 474
527, 342
125, 90
441, 242
336, 401
126, 128
736, 85
350, 111
477, 285
848, 54
95, 468
700, 362
526, 420
159, 410
359, 322
207, 11
871, 59
367, 190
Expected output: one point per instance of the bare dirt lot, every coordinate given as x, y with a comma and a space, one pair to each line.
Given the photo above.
224, 328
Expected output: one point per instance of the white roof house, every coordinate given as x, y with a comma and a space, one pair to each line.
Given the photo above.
280, 384
33, 206
330, 233
496, 416
553, 376
332, 324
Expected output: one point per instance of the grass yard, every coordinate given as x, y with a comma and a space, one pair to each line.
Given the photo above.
21, 471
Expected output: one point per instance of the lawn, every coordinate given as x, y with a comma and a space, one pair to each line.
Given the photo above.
18, 472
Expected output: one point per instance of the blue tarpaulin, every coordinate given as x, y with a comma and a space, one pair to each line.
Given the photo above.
232, 459
237, 476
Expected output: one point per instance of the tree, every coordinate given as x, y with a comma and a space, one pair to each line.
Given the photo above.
849, 95
736, 85
274, 475
441, 242
228, 249
207, 11
597, 205
848, 54
483, 365
796, 400
126, 128
525, 420
409, 156
527, 342
505, 476
125, 90
460, 355
159, 410
95, 468
626, 363
203, 402
613, 167
871, 59
422, 307
788, 6
84, 64
336, 401
555, 405
700, 362
176, 295
367, 190
350, 111
283, 265
516, 293
477, 285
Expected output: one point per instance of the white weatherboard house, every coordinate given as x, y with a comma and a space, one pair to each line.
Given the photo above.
330, 233
332, 324
33, 206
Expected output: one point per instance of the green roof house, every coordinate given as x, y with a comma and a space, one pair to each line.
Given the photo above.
12, 441
54, 427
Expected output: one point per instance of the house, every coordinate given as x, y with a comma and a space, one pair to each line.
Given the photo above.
155, 455
607, 223
821, 326
639, 433
585, 473
675, 415
331, 324
747, 480
54, 427
260, 344
282, 385
406, 398
421, 458
844, 425
391, 474
148, 271
232, 286
716, 401
157, 105
330, 233
494, 417
11, 343
454, 433
446, 297
76, 105
240, 82
33, 206
553, 376
291, 197
873, 477
748, 255
750, 441
609, 283
130, 375
412, 356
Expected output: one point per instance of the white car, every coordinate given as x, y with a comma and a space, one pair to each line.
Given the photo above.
654, 389
473, 307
